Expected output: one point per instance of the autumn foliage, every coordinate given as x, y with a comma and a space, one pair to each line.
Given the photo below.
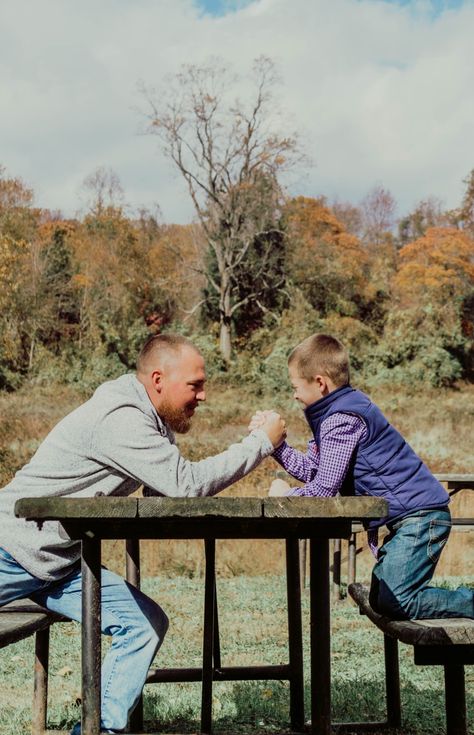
79, 296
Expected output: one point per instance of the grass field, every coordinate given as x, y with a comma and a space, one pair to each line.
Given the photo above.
251, 591
253, 630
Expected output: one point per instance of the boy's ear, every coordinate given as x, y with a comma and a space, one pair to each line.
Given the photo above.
323, 383
320, 381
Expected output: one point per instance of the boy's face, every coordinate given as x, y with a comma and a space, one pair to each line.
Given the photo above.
306, 392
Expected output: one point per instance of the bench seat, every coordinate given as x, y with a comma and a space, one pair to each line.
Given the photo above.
447, 642
19, 621
22, 619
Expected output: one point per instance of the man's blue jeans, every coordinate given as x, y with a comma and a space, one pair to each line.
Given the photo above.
135, 622
405, 565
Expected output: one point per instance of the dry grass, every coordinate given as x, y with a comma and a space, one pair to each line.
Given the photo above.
437, 423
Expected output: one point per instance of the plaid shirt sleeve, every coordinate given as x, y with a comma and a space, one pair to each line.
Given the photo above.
299, 465
340, 435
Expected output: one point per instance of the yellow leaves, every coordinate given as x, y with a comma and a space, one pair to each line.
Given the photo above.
11, 256
436, 267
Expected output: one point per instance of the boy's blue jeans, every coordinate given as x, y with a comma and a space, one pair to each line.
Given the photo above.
406, 563
135, 622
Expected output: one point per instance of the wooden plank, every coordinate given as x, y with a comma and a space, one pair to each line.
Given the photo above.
330, 508
186, 508
51, 509
16, 626
457, 481
434, 632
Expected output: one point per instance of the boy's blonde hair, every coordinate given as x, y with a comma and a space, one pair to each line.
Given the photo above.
324, 355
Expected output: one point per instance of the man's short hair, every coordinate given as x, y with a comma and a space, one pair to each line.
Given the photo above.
159, 345
321, 354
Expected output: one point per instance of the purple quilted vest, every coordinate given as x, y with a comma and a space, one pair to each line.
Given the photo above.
383, 464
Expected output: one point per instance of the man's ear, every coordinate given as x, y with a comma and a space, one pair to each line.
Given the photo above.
157, 380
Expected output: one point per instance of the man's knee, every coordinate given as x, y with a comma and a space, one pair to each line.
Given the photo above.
157, 622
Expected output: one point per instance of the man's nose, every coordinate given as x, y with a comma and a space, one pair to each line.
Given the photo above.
201, 396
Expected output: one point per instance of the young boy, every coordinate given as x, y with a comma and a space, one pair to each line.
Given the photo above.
355, 450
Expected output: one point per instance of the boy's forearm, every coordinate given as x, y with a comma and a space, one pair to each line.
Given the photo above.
296, 463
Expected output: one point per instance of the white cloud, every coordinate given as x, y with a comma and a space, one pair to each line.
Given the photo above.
380, 93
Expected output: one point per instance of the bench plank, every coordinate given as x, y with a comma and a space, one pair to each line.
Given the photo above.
17, 626
433, 632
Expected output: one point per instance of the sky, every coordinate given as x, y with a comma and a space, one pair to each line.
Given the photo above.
379, 91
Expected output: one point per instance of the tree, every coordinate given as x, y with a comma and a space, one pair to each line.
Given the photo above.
463, 217
327, 263
378, 216
102, 190
428, 213
228, 155
18, 218
436, 268
431, 325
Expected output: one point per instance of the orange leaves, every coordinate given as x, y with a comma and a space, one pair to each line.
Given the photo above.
436, 267
327, 262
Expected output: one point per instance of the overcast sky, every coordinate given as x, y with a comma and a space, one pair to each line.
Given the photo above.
381, 92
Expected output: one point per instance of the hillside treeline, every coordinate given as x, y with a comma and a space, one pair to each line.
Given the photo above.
79, 296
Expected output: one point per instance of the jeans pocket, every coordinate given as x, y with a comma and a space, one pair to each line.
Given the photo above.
438, 535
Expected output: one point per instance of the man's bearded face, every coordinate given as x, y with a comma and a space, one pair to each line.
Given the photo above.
178, 419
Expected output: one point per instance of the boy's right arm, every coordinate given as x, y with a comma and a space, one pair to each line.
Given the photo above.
302, 466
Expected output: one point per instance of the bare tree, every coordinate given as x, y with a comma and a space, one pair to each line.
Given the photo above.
230, 159
102, 189
378, 216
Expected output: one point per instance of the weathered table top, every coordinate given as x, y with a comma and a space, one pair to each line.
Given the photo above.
159, 517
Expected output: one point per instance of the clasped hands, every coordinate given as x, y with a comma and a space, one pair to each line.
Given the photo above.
274, 426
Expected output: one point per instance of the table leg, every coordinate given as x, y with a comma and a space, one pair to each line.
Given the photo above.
91, 643
132, 563
320, 637
295, 635
208, 638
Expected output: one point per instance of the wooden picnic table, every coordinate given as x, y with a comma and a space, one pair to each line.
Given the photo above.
93, 519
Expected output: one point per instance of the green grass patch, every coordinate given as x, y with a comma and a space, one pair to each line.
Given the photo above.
253, 627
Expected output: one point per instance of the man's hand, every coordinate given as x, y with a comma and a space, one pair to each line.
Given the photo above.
257, 420
274, 427
278, 488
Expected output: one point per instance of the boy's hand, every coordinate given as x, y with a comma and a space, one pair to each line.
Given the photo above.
274, 427
278, 488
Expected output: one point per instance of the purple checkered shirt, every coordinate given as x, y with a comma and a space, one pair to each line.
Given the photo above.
323, 469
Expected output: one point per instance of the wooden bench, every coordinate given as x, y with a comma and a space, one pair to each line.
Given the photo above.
447, 642
19, 620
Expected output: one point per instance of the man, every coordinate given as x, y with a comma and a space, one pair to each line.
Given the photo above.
118, 440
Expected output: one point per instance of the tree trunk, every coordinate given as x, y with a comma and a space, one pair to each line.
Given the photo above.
31, 352
225, 344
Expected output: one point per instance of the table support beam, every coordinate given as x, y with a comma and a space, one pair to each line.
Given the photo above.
91, 643
320, 637
295, 635
208, 637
